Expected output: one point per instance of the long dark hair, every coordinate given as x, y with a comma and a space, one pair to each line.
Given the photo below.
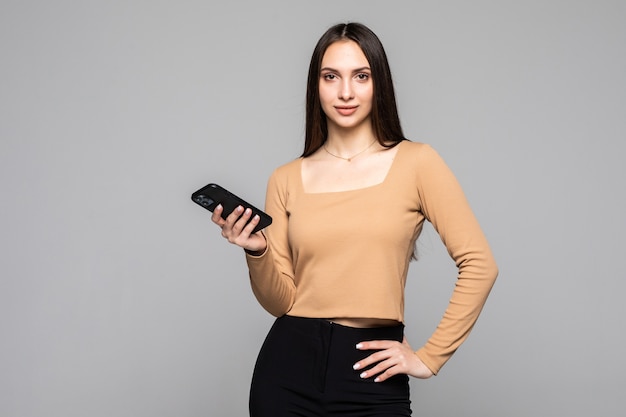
385, 120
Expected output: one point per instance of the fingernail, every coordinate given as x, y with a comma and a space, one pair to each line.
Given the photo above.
359, 345
356, 366
377, 379
363, 375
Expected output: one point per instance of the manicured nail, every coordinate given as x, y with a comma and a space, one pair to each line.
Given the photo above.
363, 375
359, 345
356, 366
377, 379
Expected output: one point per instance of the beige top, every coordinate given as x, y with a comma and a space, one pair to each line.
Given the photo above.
346, 254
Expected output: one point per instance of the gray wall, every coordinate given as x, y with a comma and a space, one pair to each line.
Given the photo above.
119, 298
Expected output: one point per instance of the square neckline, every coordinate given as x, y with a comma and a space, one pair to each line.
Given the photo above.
352, 190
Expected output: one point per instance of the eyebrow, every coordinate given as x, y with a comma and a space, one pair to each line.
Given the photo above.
353, 71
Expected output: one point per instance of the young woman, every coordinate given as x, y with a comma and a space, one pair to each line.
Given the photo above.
333, 265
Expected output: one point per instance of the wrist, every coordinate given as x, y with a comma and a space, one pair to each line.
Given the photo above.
258, 251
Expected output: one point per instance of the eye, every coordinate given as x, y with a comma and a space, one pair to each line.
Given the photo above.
329, 76
362, 76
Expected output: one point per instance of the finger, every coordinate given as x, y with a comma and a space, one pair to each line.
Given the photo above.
241, 221
216, 217
375, 359
396, 362
401, 360
228, 224
252, 224
388, 373
234, 215
380, 345
382, 371
376, 344
370, 360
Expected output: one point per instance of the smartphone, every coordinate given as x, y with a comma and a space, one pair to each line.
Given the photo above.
212, 194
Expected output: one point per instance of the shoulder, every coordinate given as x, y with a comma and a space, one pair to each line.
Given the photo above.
422, 163
417, 149
418, 154
288, 169
286, 174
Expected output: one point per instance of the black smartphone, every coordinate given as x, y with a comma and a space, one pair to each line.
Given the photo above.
212, 194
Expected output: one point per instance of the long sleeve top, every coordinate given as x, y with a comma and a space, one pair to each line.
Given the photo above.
346, 254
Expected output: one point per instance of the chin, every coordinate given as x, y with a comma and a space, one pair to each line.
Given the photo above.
347, 124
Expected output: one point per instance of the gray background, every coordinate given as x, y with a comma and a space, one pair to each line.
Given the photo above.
118, 297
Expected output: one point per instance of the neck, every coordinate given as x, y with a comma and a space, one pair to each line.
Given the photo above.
349, 141
349, 157
348, 148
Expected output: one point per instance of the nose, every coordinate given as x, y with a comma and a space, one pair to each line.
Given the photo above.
346, 92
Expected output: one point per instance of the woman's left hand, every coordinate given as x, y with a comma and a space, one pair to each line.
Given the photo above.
391, 359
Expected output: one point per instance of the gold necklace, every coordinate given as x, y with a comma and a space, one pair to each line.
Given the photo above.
350, 158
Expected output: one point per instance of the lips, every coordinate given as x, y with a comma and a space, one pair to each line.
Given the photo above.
346, 110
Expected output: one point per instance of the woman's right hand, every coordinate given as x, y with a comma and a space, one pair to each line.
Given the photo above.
235, 230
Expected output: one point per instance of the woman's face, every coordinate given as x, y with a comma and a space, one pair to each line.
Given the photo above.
346, 87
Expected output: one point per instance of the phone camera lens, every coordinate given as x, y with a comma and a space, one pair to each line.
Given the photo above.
204, 200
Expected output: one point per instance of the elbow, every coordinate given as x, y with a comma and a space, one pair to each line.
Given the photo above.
274, 302
492, 271
277, 309
489, 265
